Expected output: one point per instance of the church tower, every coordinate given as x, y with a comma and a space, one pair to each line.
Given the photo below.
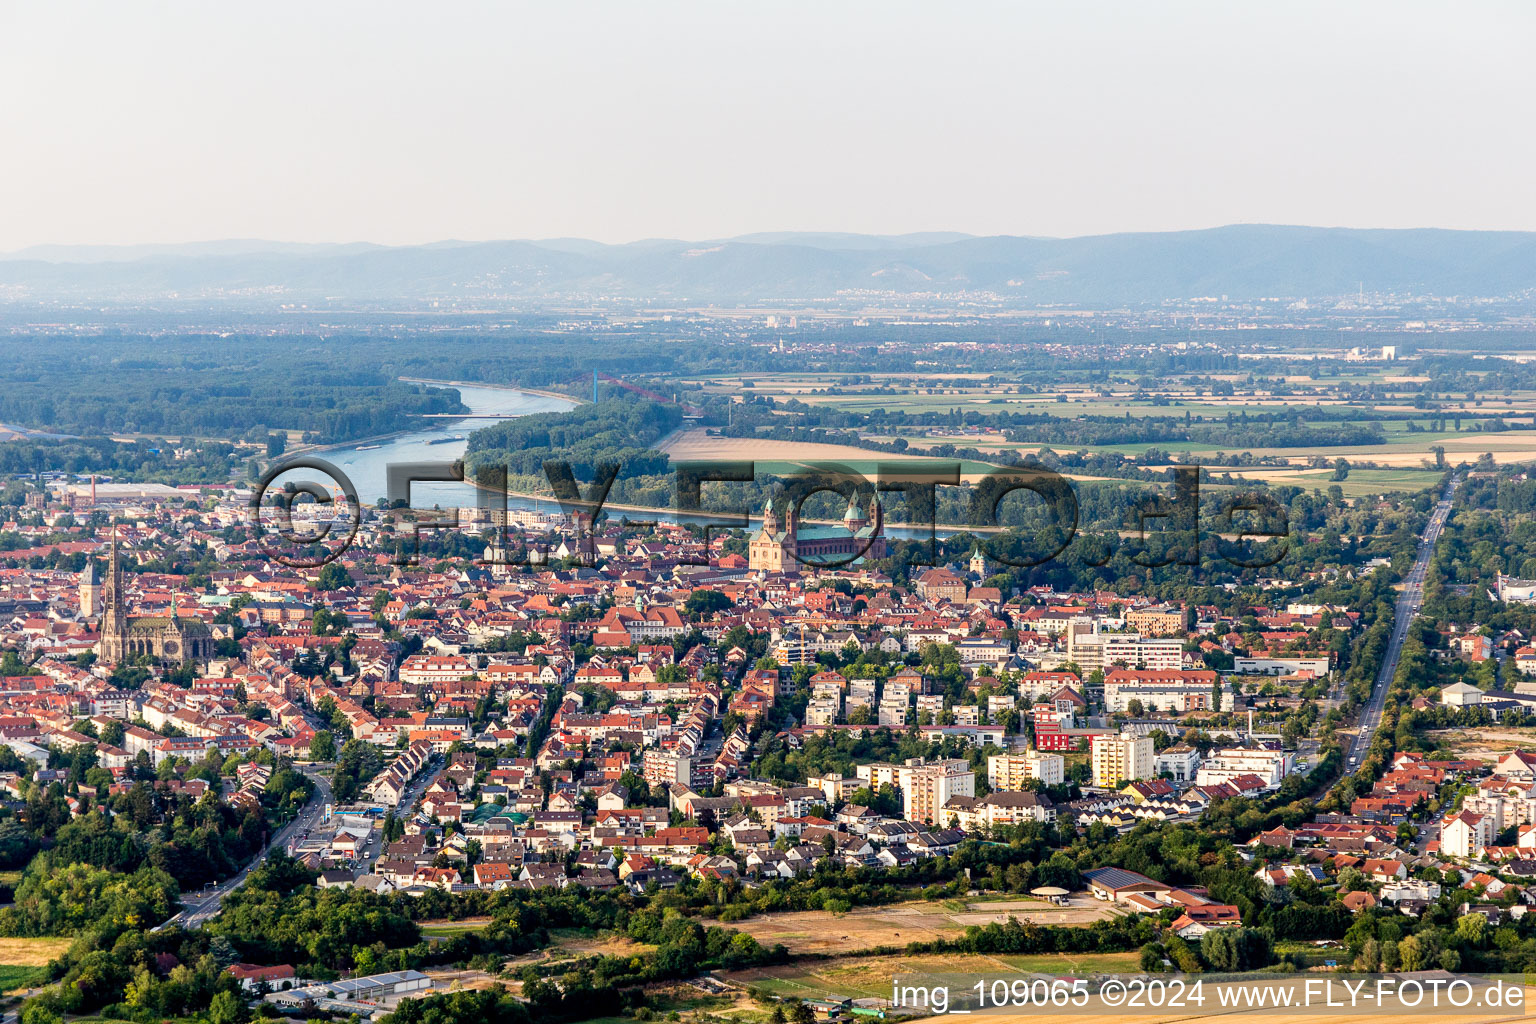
114, 618
791, 543
854, 519
163, 638
90, 590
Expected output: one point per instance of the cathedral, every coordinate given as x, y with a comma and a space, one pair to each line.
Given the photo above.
777, 548
164, 638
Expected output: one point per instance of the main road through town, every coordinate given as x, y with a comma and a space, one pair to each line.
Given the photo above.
198, 907
1408, 603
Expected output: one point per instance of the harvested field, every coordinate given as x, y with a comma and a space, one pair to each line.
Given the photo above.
815, 931
32, 952
782, 456
870, 977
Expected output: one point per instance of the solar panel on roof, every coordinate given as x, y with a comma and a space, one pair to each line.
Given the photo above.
1116, 878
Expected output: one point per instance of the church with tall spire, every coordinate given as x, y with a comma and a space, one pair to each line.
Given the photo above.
163, 638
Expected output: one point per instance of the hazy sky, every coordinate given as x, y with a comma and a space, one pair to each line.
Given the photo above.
397, 123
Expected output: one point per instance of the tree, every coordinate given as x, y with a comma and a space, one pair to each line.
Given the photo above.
1340, 470
333, 576
1471, 929
323, 746
1235, 949
803, 1014
703, 603
226, 1008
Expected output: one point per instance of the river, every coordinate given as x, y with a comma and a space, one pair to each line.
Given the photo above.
367, 465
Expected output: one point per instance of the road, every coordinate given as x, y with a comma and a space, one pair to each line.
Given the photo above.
199, 907
413, 793
1408, 604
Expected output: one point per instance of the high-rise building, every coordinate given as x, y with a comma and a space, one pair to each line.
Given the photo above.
926, 788
1013, 771
1122, 758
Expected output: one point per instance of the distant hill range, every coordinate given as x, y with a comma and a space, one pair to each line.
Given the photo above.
1239, 261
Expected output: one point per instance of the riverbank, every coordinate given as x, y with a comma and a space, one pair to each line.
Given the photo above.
494, 387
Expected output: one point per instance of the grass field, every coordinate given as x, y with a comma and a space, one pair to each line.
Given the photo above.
447, 929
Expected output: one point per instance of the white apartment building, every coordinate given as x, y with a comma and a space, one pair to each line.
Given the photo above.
1465, 835
926, 788
1122, 758
1179, 762
1092, 649
426, 669
1272, 766
1009, 772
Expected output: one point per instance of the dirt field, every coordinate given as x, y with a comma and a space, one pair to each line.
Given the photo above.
815, 931
31, 952
576, 940
1483, 744
870, 977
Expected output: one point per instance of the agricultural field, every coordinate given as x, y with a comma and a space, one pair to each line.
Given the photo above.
787, 457
1360, 483
24, 962
1155, 397
13, 978
23, 952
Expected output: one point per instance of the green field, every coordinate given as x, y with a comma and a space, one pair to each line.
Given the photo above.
1361, 482
13, 977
